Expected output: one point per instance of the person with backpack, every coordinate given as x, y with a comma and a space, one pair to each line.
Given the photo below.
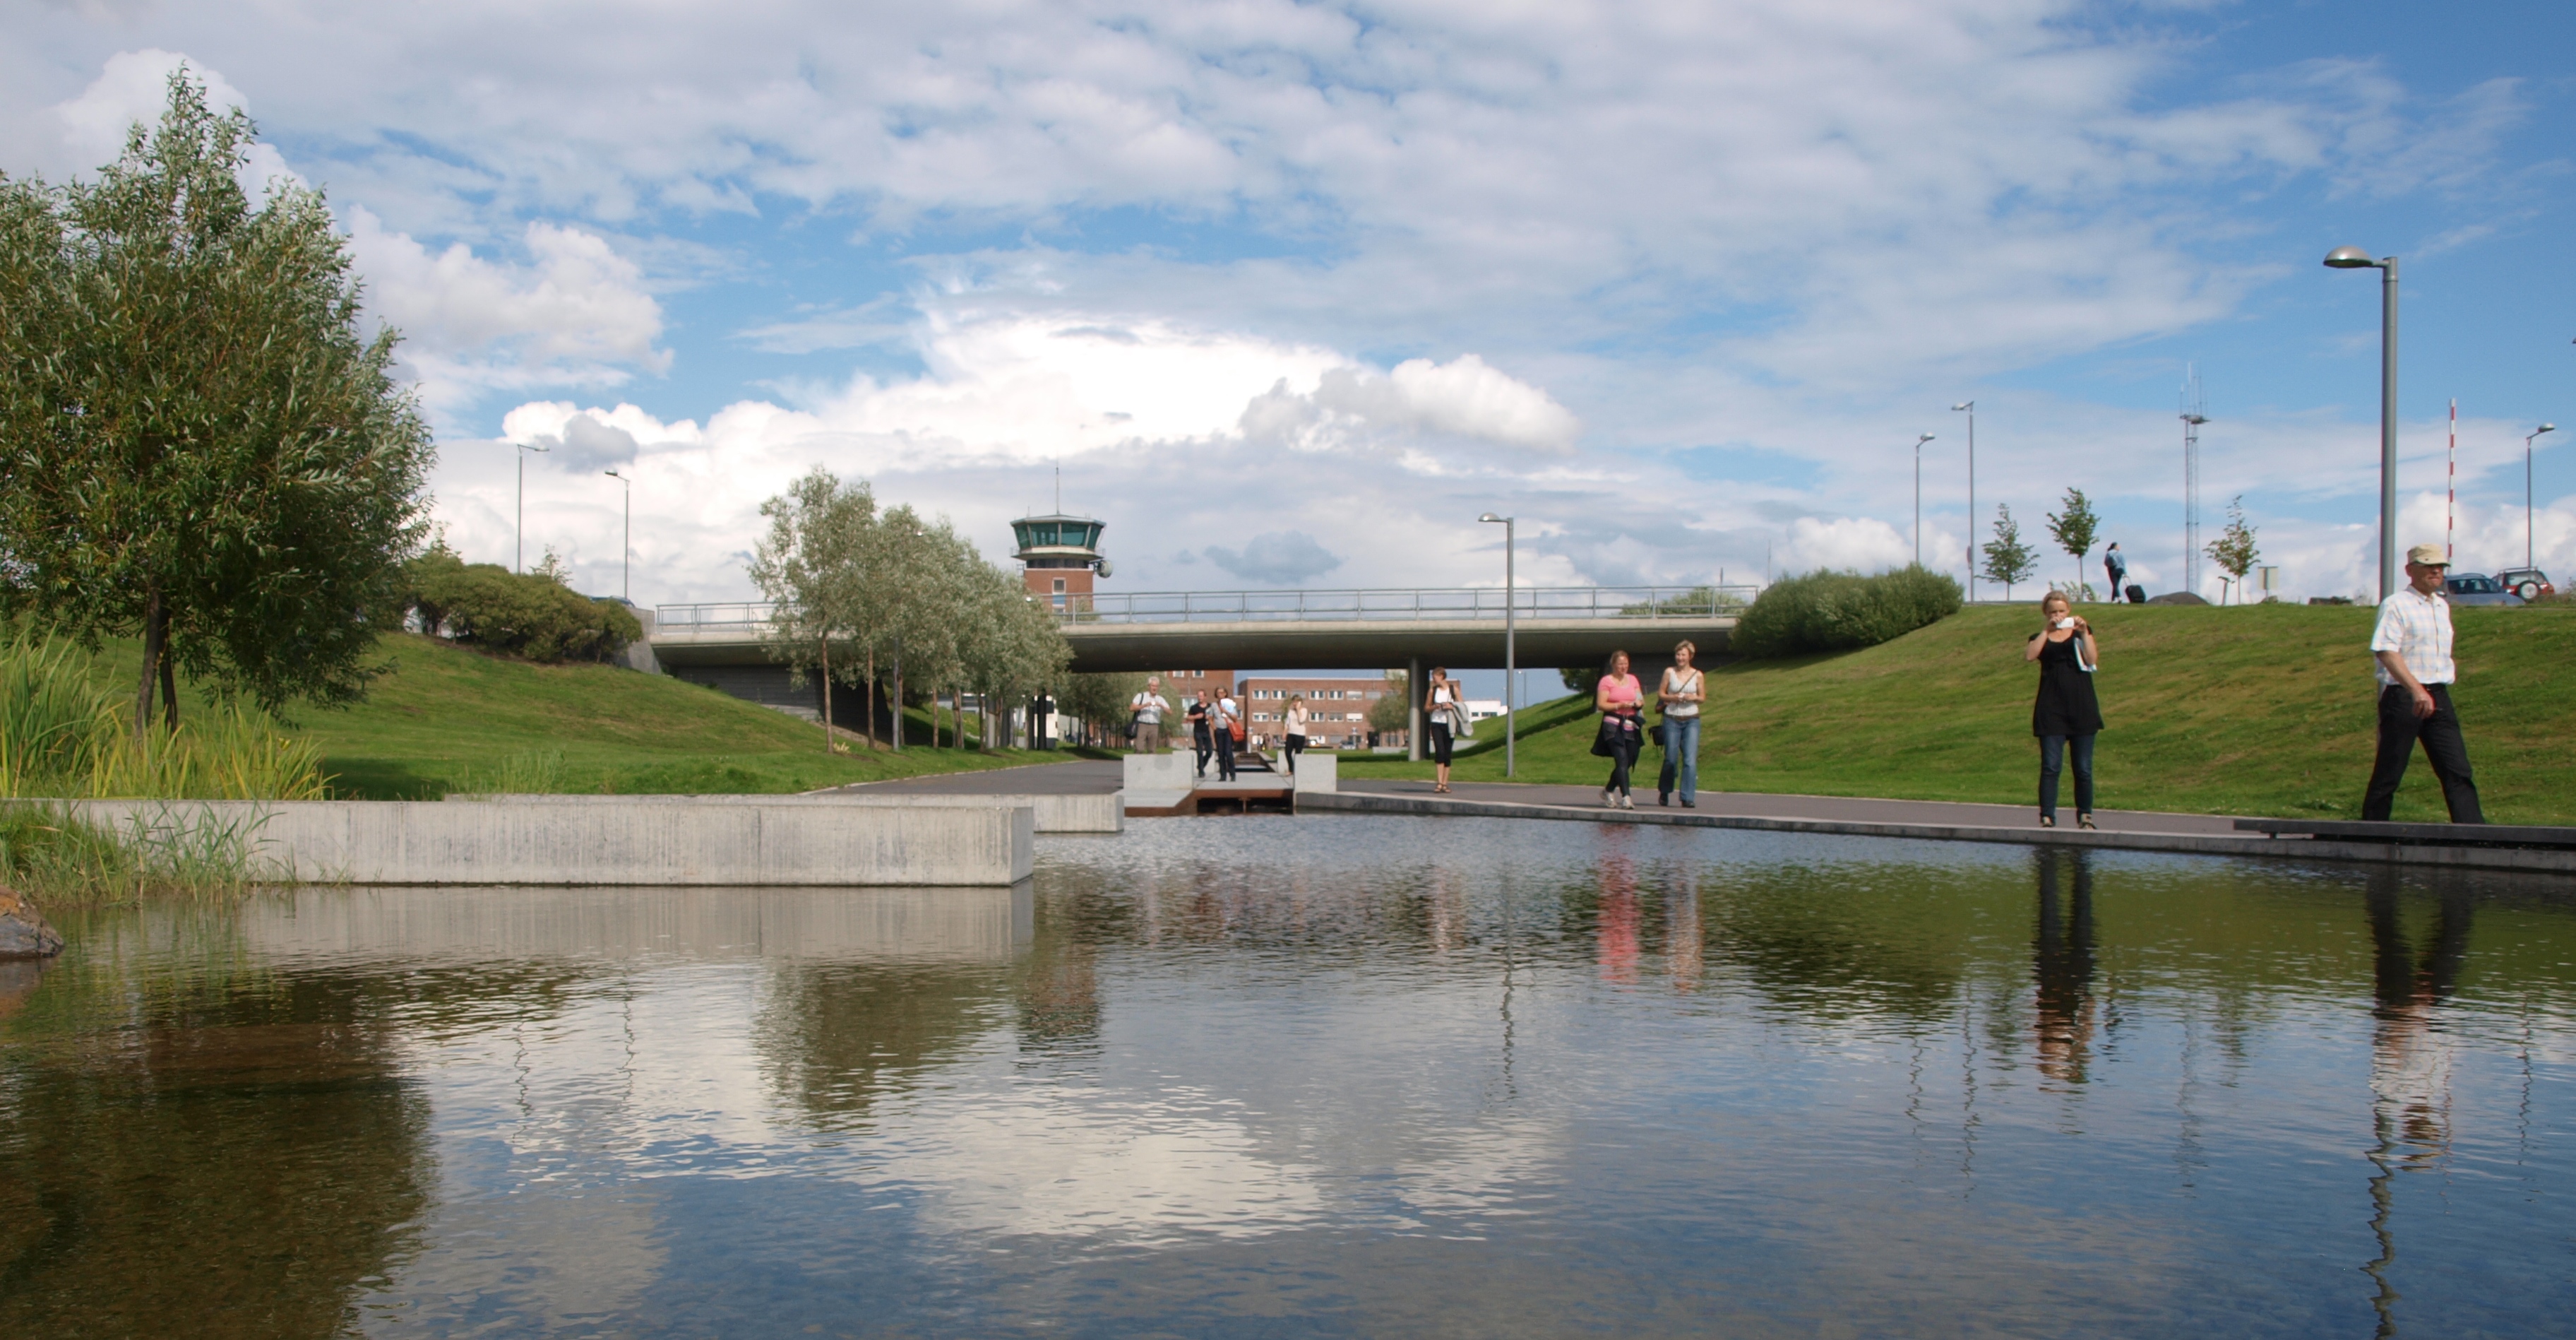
1149, 708
2117, 564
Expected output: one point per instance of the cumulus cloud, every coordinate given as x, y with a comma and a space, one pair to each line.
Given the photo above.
134, 87
1278, 558
1464, 398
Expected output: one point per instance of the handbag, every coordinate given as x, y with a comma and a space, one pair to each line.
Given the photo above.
1237, 729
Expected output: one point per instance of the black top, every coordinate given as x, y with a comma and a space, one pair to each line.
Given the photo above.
2066, 705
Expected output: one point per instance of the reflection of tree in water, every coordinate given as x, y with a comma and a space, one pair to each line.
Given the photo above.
217, 1155
834, 1038
2410, 1059
1824, 942
2062, 960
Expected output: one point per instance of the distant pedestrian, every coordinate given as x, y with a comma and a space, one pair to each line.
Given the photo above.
1679, 696
1296, 739
1444, 715
2067, 716
1620, 699
1149, 708
2416, 672
1225, 723
1197, 717
2117, 564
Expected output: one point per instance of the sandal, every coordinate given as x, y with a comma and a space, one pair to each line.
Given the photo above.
2084, 821
2048, 821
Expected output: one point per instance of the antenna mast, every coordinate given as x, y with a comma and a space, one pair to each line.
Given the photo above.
2195, 412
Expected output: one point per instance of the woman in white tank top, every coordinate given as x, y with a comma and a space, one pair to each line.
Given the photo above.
1683, 689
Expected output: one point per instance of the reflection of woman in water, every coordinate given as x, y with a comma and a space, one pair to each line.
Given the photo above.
2062, 960
1618, 920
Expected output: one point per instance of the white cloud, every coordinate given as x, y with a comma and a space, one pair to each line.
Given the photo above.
576, 314
132, 87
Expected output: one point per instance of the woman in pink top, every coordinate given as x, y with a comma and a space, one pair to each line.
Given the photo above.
1621, 698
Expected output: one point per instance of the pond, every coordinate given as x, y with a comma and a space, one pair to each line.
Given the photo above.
1317, 1075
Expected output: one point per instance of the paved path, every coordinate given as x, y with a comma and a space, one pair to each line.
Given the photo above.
1833, 809
1081, 777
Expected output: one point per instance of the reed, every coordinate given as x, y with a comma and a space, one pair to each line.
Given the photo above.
59, 860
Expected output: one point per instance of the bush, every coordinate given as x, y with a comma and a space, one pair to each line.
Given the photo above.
531, 615
1840, 611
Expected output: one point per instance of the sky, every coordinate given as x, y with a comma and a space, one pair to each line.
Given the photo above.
1290, 294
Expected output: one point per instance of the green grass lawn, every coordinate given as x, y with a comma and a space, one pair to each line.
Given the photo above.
449, 719
2264, 709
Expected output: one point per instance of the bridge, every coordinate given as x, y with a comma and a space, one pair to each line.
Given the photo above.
1297, 630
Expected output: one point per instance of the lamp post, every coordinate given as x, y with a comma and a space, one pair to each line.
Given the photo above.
1511, 699
521, 558
2526, 488
2354, 258
1919, 440
1971, 407
626, 582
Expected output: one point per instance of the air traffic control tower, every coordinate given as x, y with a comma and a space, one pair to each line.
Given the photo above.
1058, 555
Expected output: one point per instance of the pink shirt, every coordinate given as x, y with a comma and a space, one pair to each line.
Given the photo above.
1623, 691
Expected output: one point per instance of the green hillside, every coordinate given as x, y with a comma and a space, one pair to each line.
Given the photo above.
2264, 709
450, 719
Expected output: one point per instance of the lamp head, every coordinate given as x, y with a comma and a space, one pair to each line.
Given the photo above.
2544, 428
1493, 518
2349, 258
1921, 438
612, 474
1965, 404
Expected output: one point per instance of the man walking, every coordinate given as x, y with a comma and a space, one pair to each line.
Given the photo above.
1149, 708
2117, 564
2413, 644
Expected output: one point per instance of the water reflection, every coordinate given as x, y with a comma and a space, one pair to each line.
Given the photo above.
1334, 1075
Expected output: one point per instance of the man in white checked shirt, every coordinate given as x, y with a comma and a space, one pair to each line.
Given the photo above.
2413, 644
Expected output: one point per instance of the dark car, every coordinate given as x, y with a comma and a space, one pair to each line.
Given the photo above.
2528, 583
2471, 588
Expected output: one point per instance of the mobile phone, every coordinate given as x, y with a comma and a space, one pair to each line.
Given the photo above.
2068, 622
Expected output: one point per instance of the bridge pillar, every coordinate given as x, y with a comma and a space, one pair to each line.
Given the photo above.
1413, 710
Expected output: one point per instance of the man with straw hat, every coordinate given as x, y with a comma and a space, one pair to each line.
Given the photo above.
2413, 644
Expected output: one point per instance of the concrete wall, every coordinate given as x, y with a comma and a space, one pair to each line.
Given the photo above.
970, 841
1161, 774
1318, 774
1055, 814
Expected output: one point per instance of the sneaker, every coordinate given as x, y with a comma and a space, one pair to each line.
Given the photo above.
1627, 803
1609, 798
2048, 821
2084, 821
1689, 804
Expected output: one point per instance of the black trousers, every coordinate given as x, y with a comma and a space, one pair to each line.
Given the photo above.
1224, 754
2399, 729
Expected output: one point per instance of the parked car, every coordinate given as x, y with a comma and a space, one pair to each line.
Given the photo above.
2528, 583
2471, 588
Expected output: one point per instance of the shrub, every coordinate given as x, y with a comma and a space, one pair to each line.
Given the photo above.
64, 735
531, 615
1840, 611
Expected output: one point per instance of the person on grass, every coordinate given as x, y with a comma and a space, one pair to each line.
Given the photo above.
1679, 697
1620, 699
2413, 644
2066, 717
1443, 714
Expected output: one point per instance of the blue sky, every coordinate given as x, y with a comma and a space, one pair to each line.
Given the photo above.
1677, 285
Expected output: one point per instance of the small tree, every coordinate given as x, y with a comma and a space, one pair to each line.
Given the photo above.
1393, 712
2009, 562
2233, 551
2075, 529
808, 568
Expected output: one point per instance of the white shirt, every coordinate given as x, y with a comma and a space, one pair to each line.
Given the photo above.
2418, 628
1676, 681
1150, 707
1297, 721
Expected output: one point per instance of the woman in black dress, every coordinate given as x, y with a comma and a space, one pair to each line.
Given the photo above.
2066, 712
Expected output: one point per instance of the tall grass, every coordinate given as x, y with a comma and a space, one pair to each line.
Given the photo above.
529, 772
64, 736
57, 859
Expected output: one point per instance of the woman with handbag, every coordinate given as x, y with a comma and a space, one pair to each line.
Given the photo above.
1225, 722
1444, 715
1296, 740
2066, 716
1621, 699
1683, 689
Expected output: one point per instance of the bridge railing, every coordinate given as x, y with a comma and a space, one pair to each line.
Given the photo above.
1352, 606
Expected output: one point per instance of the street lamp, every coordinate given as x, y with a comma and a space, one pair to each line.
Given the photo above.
521, 563
1511, 700
2354, 258
2526, 488
1971, 407
626, 583
1919, 440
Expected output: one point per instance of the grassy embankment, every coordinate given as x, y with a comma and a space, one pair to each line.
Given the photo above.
448, 719
2264, 709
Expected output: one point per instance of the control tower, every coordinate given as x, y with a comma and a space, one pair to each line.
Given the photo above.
1058, 555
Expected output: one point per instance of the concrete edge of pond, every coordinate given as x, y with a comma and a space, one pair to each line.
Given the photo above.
970, 841
2196, 844
1068, 813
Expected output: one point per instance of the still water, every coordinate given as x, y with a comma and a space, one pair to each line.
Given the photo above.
1320, 1075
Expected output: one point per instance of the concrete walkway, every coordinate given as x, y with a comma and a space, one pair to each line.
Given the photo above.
1829, 809
1081, 777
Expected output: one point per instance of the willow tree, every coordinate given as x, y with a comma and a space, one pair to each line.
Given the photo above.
197, 445
811, 567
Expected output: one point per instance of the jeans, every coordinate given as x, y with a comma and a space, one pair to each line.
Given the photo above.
2399, 729
1200, 738
1681, 756
1224, 754
2052, 749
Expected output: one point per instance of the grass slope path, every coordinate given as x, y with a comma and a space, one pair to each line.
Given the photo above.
2264, 709
447, 717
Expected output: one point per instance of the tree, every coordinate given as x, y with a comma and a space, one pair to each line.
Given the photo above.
196, 445
808, 567
1101, 700
2233, 551
1392, 713
2074, 530
2009, 562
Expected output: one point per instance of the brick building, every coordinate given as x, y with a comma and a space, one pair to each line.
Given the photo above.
1058, 555
1336, 710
